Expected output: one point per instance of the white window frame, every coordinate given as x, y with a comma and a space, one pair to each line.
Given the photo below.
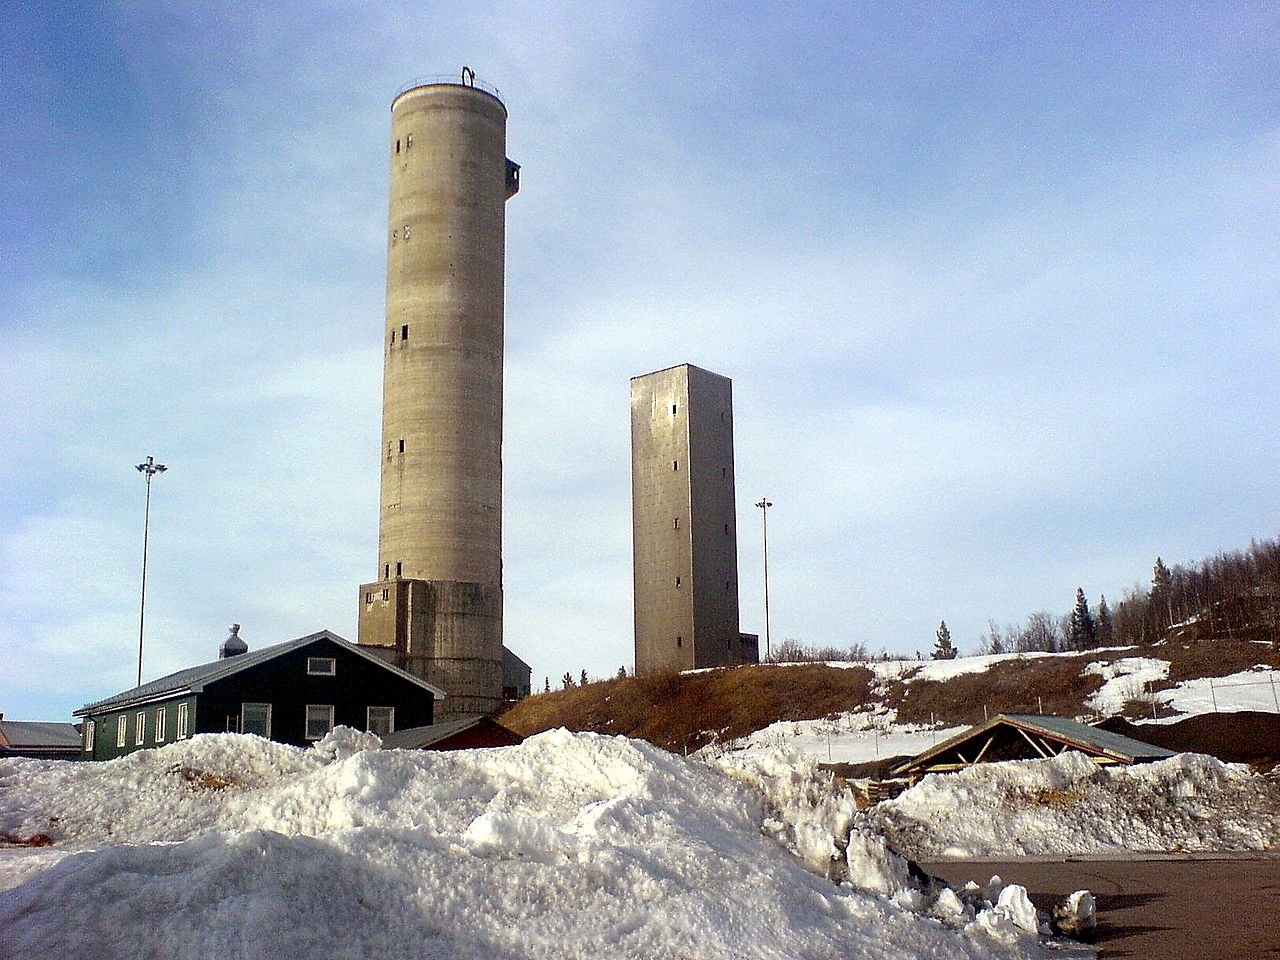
160, 725
184, 719
140, 731
89, 726
122, 730
306, 720
267, 734
314, 668
391, 718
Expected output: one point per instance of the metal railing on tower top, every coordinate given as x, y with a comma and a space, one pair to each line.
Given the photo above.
464, 78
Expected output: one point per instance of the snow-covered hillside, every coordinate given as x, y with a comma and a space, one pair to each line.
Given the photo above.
860, 736
570, 845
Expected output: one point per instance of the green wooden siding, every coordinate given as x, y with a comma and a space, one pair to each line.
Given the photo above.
105, 727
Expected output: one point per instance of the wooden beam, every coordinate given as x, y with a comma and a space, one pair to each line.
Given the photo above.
1034, 746
986, 746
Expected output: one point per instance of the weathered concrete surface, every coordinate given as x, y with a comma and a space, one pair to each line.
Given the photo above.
684, 525
441, 508
438, 600
1206, 908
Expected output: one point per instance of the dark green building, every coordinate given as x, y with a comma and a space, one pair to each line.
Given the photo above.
293, 692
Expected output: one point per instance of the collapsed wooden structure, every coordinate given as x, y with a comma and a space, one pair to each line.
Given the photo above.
1028, 736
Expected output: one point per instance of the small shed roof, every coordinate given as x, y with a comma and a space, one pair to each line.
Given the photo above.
38, 735
194, 679
1031, 735
510, 660
423, 738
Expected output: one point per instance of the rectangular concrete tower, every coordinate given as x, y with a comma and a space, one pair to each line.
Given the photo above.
436, 607
684, 526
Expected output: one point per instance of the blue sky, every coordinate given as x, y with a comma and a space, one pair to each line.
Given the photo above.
996, 285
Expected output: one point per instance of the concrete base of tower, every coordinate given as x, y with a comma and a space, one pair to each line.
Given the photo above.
446, 632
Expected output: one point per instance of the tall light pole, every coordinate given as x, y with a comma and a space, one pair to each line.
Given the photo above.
764, 504
150, 469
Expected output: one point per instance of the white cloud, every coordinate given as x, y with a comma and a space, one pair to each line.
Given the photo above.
983, 351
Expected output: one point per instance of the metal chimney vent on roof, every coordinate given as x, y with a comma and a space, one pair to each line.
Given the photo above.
233, 645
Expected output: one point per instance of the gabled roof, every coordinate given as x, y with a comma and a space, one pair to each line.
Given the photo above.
31, 735
511, 659
1054, 735
419, 738
195, 679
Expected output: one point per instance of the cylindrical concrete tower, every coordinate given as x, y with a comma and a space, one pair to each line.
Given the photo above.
438, 600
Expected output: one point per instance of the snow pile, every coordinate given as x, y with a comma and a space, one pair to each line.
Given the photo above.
1077, 915
1070, 805
569, 845
808, 814
170, 794
857, 736
1123, 680
818, 823
1011, 914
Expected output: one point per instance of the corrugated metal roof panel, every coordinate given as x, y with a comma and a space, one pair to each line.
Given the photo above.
29, 734
1085, 735
416, 738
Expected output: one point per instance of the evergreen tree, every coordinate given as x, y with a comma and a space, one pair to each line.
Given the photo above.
1104, 627
1082, 632
584, 678
568, 680
1162, 589
943, 650
546, 685
622, 673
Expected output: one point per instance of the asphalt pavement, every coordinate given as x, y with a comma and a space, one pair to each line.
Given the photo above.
1215, 907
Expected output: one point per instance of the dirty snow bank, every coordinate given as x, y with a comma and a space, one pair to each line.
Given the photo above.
805, 813
1070, 805
1122, 680
941, 671
569, 845
1255, 689
856, 736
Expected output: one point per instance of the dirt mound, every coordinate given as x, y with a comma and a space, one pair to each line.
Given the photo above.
1242, 737
682, 712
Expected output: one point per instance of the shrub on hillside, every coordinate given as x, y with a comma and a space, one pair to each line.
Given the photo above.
792, 651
